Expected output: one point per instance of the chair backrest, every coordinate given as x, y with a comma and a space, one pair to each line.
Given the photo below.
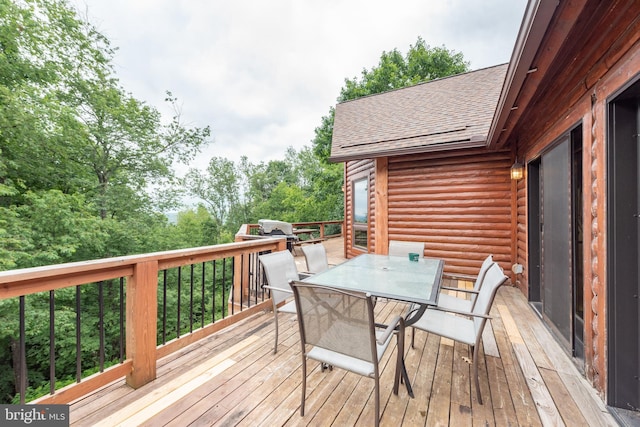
402, 248
336, 320
493, 279
280, 269
488, 261
316, 257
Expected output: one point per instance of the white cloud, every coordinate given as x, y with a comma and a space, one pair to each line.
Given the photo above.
262, 74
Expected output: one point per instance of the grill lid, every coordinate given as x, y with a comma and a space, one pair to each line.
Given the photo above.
269, 226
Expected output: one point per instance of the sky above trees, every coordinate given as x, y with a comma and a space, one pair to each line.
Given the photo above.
263, 74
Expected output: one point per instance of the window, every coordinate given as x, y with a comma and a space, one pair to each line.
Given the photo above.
361, 213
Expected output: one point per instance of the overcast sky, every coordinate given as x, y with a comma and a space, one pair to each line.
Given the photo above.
263, 73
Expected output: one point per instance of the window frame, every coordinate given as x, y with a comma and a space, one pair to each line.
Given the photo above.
359, 227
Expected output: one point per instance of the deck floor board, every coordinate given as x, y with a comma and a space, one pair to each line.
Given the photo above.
233, 378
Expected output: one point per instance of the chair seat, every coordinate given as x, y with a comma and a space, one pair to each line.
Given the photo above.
449, 302
279, 268
467, 330
338, 328
447, 325
353, 364
289, 307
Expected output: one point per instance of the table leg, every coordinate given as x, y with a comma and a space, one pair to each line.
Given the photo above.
405, 377
402, 376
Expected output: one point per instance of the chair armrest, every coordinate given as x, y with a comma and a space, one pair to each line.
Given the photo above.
466, 277
304, 274
391, 328
274, 288
411, 311
449, 288
463, 313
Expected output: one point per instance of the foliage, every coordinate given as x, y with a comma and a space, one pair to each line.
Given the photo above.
218, 188
421, 63
80, 158
77, 155
298, 188
196, 228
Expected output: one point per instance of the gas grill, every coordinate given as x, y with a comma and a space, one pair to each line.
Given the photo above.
273, 228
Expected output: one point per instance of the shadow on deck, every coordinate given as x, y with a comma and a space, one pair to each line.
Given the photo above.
233, 378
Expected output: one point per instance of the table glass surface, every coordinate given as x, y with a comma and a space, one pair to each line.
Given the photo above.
387, 277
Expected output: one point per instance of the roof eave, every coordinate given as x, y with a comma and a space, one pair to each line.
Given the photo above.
534, 25
431, 148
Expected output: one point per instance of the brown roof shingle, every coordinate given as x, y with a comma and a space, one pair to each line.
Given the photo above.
437, 115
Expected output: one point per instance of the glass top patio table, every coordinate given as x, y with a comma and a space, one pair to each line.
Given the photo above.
387, 277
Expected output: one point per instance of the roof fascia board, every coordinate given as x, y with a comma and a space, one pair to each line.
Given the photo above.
413, 150
534, 26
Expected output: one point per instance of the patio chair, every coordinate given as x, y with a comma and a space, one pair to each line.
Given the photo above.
337, 328
403, 248
280, 269
463, 304
315, 256
466, 327
450, 302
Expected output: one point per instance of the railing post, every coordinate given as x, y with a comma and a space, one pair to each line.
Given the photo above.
142, 290
240, 292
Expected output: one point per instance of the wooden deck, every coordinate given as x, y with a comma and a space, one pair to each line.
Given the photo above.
233, 378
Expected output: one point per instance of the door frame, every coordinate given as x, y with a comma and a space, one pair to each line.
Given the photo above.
622, 339
574, 345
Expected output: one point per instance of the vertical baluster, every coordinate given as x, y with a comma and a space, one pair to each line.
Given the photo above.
224, 275
241, 283
191, 301
78, 338
213, 298
164, 306
255, 278
52, 343
22, 353
204, 269
252, 275
249, 262
233, 261
258, 277
101, 323
179, 299
122, 349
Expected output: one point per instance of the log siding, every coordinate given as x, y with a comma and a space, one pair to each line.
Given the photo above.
458, 204
581, 67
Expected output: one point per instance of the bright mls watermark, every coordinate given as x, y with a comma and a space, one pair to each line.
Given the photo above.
34, 415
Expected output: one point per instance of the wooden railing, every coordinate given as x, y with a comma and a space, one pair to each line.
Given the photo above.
320, 228
141, 275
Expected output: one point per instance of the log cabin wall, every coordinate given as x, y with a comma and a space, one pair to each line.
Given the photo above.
521, 280
458, 203
597, 57
355, 170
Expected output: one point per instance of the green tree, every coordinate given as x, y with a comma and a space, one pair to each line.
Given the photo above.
53, 228
198, 227
421, 63
66, 124
218, 187
41, 41
123, 142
